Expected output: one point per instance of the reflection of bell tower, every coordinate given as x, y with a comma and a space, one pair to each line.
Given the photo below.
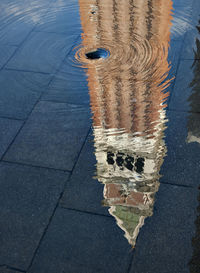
127, 101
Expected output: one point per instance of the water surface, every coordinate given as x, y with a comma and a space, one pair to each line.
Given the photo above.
128, 93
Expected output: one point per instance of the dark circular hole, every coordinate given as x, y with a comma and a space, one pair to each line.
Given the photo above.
97, 54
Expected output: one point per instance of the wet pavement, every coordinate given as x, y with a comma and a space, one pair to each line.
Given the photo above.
99, 150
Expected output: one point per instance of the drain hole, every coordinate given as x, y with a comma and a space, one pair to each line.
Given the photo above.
97, 54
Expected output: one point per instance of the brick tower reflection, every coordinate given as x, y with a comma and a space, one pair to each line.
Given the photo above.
127, 94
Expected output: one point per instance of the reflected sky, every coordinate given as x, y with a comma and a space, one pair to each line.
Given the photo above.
128, 93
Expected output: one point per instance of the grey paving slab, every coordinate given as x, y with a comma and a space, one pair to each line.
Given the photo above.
83, 192
81, 242
8, 131
182, 163
182, 3
5, 53
195, 262
62, 17
28, 197
185, 93
192, 44
42, 52
19, 91
195, 12
52, 136
164, 243
18, 18
175, 47
181, 21
69, 85
14, 31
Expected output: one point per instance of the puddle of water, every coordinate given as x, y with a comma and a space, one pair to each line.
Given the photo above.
128, 99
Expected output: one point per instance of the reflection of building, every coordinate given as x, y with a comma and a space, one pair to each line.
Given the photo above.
127, 100
194, 99
193, 126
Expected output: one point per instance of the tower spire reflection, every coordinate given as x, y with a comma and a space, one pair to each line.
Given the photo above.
127, 94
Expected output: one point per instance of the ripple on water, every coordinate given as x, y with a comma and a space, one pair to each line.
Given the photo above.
142, 55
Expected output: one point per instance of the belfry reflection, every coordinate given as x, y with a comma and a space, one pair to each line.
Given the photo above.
127, 93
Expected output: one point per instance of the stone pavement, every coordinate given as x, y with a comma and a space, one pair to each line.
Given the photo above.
51, 218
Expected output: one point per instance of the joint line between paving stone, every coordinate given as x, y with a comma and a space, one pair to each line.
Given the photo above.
57, 205
58, 69
30, 71
13, 268
131, 262
18, 119
19, 46
49, 222
51, 79
59, 101
23, 122
77, 158
51, 32
12, 55
85, 211
182, 111
35, 166
28, 115
25, 39
178, 185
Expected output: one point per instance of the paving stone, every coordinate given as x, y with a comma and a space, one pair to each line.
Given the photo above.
8, 131
15, 33
187, 83
52, 136
69, 86
182, 163
42, 52
195, 12
20, 91
173, 59
5, 53
83, 192
18, 18
28, 198
70, 83
181, 21
62, 17
82, 242
183, 3
164, 243
191, 48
